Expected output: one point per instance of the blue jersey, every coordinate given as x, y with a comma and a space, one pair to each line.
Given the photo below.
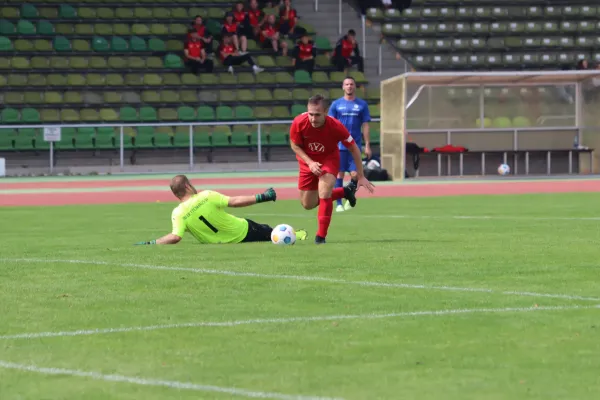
352, 114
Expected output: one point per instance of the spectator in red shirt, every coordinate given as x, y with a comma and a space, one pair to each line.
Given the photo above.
288, 17
195, 56
269, 36
232, 27
255, 19
304, 54
230, 56
342, 55
205, 36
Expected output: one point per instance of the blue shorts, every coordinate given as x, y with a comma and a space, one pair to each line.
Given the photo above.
347, 163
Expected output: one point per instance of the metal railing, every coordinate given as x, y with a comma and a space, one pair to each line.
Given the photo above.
121, 136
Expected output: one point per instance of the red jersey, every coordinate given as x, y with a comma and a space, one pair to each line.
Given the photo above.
228, 49
319, 143
255, 16
201, 30
269, 29
239, 16
305, 50
292, 14
346, 47
194, 48
230, 28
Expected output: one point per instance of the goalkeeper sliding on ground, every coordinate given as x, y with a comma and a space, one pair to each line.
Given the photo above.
203, 215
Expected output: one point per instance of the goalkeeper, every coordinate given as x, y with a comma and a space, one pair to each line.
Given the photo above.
203, 216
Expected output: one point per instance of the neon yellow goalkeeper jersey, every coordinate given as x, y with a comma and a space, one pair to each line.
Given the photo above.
204, 217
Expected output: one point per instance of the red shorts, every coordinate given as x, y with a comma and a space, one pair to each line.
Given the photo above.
308, 181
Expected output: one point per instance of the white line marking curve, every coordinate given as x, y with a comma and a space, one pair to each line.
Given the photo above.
473, 217
156, 382
99, 331
302, 278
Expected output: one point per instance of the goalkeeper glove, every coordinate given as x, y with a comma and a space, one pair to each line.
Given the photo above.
268, 195
142, 243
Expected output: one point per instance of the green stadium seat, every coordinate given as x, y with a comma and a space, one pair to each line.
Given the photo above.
9, 116
224, 113
298, 109
45, 28
100, 44
302, 77
148, 114
322, 43
173, 61
128, 114
5, 44
84, 29
155, 44
144, 137
7, 27
30, 116
281, 112
186, 113
85, 138
243, 113
61, 44
206, 113
25, 28
278, 136
262, 113
86, 13
240, 135
119, 44
136, 43
221, 136
66, 11
7, 139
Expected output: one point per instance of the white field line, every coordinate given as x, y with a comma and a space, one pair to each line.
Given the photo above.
156, 382
474, 217
304, 278
435, 313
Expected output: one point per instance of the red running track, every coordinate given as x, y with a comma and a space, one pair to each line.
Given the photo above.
408, 190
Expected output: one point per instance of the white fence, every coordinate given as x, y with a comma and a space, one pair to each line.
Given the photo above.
52, 134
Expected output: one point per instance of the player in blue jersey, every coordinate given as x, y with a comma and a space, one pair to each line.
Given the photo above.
354, 114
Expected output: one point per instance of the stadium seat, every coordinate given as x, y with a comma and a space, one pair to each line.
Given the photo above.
93, 62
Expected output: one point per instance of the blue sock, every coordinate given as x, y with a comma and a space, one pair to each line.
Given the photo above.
339, 183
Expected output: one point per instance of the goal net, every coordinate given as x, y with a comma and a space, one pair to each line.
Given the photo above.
489, 112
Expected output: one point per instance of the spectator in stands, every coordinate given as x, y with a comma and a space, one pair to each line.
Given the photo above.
304, 54
343, 57
231, 27
195, 55
269, 36
256, 18
288, 17
240, 15
205, 36
583, 64
230, 56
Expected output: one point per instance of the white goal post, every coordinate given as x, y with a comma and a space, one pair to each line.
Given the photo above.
489, 111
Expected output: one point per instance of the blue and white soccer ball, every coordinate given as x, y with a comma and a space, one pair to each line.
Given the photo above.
503, 169
283, 234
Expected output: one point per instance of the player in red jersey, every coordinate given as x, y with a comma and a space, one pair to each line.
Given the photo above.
314, 137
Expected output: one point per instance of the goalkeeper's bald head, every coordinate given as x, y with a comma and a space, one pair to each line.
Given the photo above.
182, 187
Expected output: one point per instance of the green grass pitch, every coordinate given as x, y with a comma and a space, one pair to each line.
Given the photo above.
364, 304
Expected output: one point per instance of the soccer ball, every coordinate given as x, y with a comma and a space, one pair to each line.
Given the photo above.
283, 234
503, 169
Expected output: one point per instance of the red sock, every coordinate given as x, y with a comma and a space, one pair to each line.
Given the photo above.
338, 193
324, 216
